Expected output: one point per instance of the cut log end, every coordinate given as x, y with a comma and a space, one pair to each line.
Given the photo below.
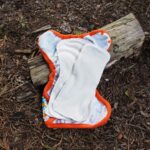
39, 70
127, 39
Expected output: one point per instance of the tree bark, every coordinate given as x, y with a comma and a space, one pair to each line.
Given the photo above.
127, 38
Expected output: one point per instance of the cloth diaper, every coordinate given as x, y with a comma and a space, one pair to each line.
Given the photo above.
70, 98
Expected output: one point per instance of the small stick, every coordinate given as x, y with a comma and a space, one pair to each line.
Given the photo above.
23, 51
44, 28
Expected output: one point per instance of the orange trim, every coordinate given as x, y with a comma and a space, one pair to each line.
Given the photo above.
102, 122
49, 123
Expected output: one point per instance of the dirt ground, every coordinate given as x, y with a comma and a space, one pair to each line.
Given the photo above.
126, 85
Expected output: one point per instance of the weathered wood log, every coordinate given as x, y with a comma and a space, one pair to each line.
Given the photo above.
127, 39
39, 70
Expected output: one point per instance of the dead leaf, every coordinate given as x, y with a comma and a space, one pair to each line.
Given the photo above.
120, 136
3, 41
146, 115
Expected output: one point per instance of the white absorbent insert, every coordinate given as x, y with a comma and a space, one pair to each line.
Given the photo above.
79, 65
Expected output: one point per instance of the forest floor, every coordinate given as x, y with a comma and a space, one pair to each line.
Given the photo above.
126, 85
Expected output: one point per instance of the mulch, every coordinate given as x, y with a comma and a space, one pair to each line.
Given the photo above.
126, 85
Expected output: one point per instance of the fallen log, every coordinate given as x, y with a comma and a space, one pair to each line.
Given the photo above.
127, 39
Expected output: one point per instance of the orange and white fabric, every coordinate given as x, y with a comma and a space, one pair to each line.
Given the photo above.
70, 98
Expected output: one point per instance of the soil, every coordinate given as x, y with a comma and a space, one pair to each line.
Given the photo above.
126, 85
